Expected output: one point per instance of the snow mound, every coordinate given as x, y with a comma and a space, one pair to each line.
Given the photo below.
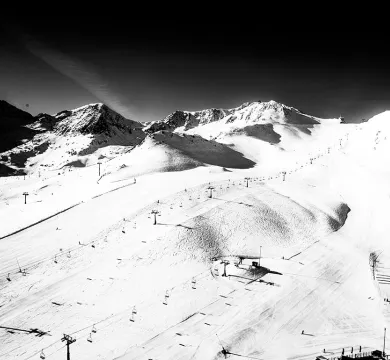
166, 151
239, 226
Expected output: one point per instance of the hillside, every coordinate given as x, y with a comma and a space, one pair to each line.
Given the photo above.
76, 137
252, 112
235, 138
83, 257
165, 151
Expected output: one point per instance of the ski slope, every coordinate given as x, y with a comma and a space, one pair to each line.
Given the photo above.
156, 291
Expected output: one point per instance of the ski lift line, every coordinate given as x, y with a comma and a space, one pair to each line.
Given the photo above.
45, 348
59, 341
62, 253
10, 351
172, 326
95, 323
83, 336
49, 354
33, 264
36, 263
199, 311
131, 308
51, 257
68, 251
79, 337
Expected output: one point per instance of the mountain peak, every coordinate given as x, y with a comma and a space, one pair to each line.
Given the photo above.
255, 111
95, 118
93, 106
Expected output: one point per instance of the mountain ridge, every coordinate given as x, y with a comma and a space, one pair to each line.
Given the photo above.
187, 120
94, 131
69, 134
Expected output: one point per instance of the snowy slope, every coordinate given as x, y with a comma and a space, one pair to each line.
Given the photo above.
157, 291
165, 151
74, 137
246, 114
83, 136
257, 130
262, 131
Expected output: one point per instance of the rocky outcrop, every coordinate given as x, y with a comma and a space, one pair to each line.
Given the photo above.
254, 112
94, 119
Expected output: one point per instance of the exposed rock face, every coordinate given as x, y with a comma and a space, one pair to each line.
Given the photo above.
208, 116
171, 122
93, 119
186, 119
64, 138
46, 121
255, 112
63, 114
71, 133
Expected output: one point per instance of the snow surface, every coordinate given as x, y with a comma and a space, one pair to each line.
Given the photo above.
100, 261
74, 137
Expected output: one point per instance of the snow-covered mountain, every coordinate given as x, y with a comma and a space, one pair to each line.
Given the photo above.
250, 112
273, 257
95, 119
187, 119
82, 136
77, 137
256, 129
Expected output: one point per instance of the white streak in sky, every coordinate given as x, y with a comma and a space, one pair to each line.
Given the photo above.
78, 72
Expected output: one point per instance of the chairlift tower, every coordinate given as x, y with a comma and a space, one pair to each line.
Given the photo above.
99, 163
384, 343
247, 181
155, 213
211, 188
225, 262
25, 197
69, 341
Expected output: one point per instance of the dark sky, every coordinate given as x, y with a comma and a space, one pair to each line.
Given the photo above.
146, 66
